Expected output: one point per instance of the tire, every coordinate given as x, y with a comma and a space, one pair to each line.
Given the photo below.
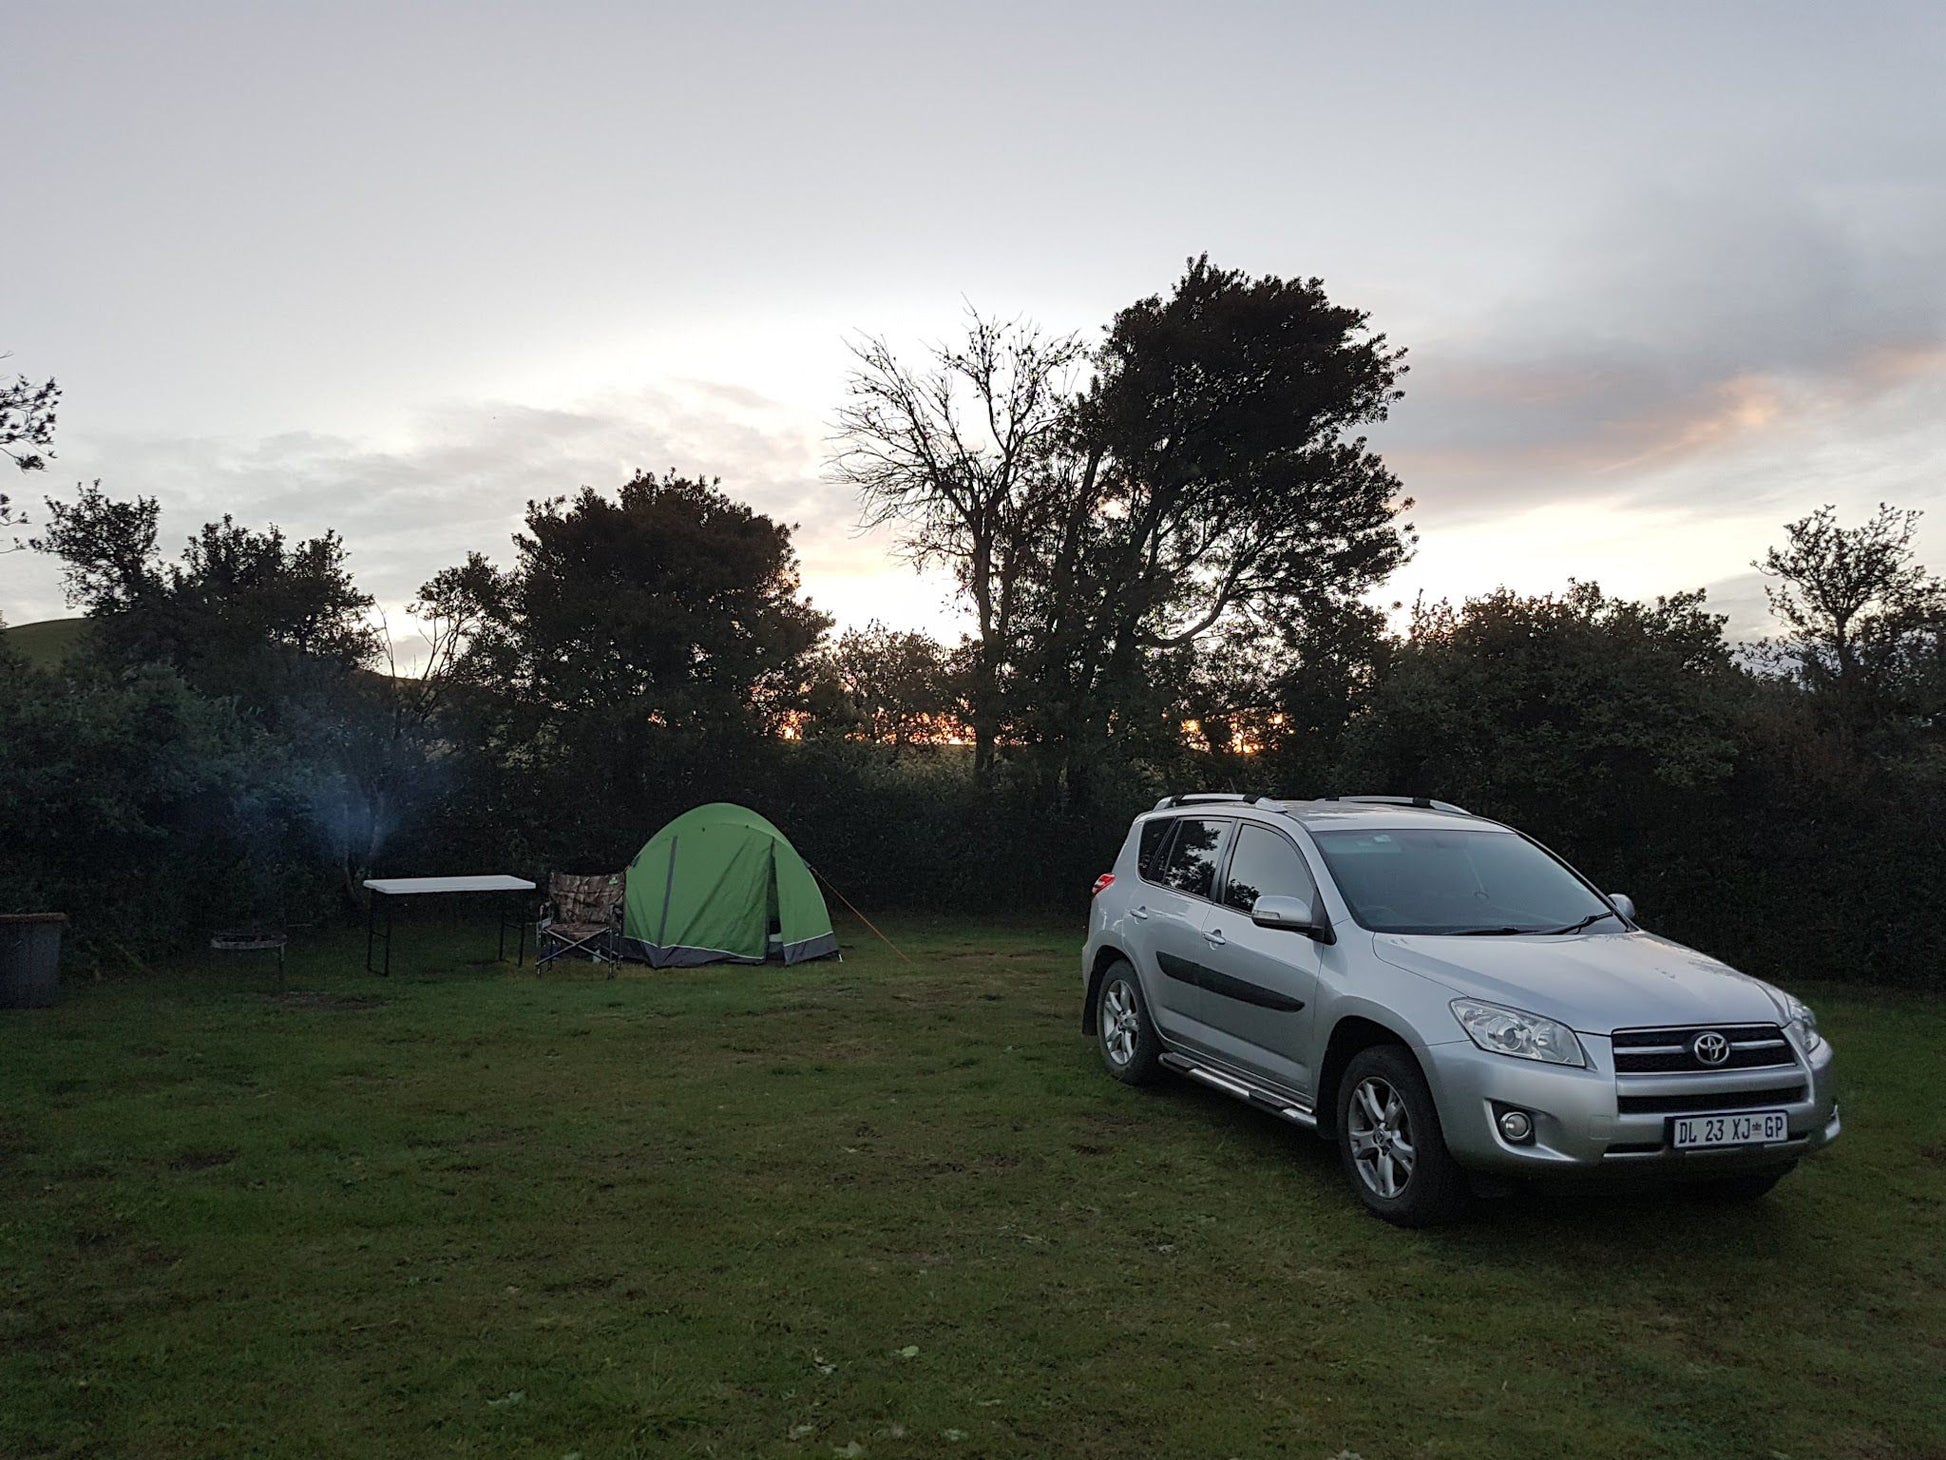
1131, 1050
1406, 1175
1750, 1186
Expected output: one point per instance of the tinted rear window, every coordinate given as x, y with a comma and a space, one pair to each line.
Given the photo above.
1190, 865
1154, 834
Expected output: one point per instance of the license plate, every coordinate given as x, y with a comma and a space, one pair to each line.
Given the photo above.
1743, 1128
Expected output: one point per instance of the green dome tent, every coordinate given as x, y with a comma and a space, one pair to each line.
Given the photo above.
710, 886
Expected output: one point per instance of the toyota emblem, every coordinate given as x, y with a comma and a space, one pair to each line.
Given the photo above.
1710, 1048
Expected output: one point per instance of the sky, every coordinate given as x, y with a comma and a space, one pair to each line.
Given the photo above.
1668, 275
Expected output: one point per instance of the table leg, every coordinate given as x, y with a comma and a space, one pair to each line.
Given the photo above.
371, 919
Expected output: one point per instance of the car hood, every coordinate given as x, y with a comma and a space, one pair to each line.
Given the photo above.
1592, 982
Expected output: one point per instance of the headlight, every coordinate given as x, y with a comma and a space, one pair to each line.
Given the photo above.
1802, 1025
1518, 1033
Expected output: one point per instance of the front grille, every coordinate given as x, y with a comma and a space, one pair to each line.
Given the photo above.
1672, 1051
1702, 1100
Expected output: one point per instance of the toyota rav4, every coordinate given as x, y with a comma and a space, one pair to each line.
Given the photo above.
1443, 997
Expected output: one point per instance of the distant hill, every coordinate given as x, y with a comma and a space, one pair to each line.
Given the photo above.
48, 642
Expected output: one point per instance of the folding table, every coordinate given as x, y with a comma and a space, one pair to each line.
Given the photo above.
390, 888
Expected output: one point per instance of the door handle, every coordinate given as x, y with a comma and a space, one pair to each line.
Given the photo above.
1139, 912
1214, 937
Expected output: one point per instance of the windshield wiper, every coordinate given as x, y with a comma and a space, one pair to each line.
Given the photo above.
1492, 932
1594, 917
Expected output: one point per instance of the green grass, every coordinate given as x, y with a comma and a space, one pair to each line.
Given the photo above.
47, 644
730, 1212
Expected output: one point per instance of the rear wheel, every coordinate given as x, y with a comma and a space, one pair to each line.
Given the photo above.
1390, 1142
1130, 1047
1750, 1186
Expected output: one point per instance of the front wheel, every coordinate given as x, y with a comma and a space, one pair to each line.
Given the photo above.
1130, 1047
1390, 1142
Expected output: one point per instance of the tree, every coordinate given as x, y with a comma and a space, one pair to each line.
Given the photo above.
278, 629
888, 687
1570, 715
1864, 618
1295, 692
240, 613
669, 604
966, 454
1206, 485
107, 549
26, 432
1220, 491
144, 810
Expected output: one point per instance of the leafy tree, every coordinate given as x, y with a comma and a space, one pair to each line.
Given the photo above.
887, 686
1288, 695
241, 613
26, 433
145, 811
1599, 724
669, 603
27, 421
1207, 486
1865, 620
1221, 492
107, 549
279, 628
967, 453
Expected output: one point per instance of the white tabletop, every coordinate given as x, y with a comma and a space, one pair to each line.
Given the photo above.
403, 885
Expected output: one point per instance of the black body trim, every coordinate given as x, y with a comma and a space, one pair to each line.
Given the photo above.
1180, 969
1224, 986
1243, 991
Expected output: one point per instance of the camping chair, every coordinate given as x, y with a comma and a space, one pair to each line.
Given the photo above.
581, 915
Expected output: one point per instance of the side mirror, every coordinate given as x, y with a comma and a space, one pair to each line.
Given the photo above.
1624, 904
1291, 915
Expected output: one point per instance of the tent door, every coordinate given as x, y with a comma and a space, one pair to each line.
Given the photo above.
773, 919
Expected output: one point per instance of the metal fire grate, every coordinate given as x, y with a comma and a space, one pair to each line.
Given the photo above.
252, 940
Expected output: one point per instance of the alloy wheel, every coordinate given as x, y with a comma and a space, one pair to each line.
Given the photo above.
1120, 1022
1379, 1130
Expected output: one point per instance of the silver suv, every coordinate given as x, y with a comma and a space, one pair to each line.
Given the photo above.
1444, 997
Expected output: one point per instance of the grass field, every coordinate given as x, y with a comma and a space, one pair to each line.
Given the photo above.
48, 643
866, 1208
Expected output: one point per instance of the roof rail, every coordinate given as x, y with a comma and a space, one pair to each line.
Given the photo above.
1191, 798
1423, 803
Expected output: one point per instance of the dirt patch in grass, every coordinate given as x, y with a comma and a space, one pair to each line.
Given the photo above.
201, 1160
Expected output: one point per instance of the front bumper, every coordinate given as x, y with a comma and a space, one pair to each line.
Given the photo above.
1581, 1125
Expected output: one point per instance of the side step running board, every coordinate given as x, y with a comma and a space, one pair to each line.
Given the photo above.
1241, 1090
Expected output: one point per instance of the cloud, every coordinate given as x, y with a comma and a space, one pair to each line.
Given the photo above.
458, 479
1691, 328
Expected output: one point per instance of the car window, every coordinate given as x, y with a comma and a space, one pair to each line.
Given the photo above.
1265, 865
1154, 834
1458, 881
1190, 865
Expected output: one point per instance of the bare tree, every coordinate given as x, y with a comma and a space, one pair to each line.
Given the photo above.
965, 451
1857, 605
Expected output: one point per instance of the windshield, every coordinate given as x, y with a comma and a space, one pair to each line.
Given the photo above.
1433, 880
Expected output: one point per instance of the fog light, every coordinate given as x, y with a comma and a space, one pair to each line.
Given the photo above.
1517, 1126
